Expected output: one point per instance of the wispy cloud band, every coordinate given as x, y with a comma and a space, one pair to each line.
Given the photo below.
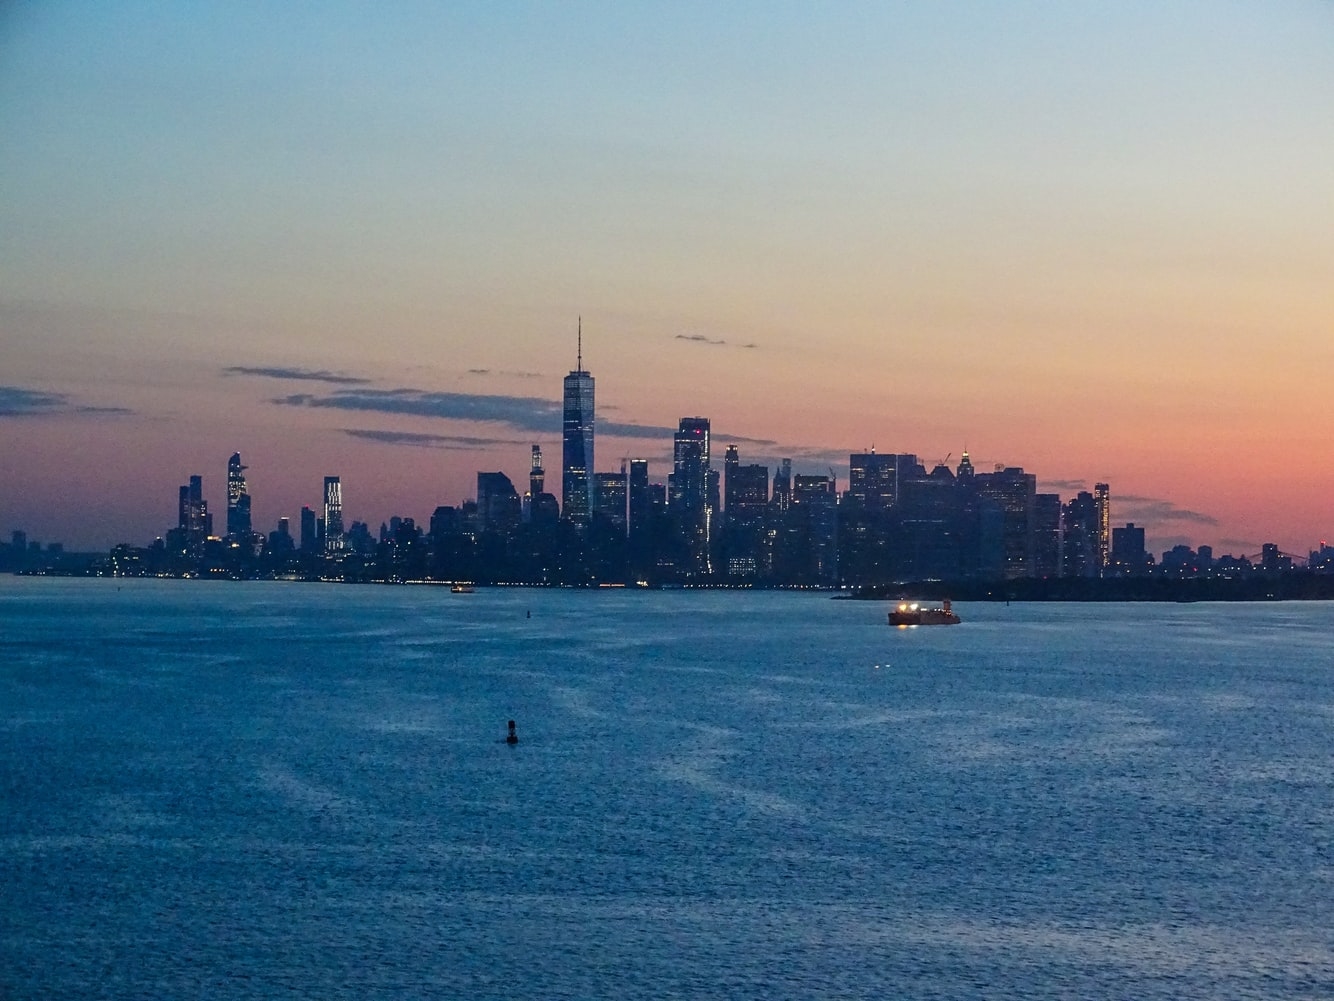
15, 401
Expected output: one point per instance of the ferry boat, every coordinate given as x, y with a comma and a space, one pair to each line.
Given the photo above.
462, 589
910, 613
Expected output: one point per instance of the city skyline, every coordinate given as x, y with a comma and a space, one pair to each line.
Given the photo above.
1090, 243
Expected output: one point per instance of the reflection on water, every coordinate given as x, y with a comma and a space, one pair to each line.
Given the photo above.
304, 791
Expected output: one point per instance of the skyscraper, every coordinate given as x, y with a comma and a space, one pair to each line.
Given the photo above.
1079, 521
238, 498
497, 503
610, 502
875, 480
577, 442
310, 533
1015, 493
537, 477
639, 501
690, 490
333, 514
1102, 503
1048, 554
746, 496
193, 520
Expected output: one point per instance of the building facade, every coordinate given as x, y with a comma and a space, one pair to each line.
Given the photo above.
577, 443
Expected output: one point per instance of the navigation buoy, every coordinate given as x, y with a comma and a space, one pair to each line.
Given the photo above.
512, 738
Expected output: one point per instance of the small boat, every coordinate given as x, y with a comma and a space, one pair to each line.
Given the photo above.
910, 613
462, 589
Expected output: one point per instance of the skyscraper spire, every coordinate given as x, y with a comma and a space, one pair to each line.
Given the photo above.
579, 363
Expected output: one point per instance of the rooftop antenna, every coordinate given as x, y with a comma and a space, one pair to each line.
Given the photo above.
579, 364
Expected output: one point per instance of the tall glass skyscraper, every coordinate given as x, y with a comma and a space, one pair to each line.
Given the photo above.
577, 443
690, 500
238, 498
333, 514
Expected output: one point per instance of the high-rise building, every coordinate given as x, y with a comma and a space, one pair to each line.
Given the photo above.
238, 498
1128, 556
812, 528
875, 480
577, 442
1102, 503
333, 515
610, 497
964, 472
497, 503
1080, 537
280, 540
746, 495
310, 533
639, 499
689, 500
537, 477
1015, 493
782, 493
193, 520
1047, 551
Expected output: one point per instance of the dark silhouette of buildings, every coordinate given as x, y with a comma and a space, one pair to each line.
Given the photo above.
1129, 557
498, 507
746, 525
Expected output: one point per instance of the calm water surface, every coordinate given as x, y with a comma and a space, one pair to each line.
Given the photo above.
274, 791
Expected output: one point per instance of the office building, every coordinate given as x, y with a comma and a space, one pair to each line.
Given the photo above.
334, 540
610, 498
689, 491
1080, 533
639, 499
745, 516
577, 443
238, 499
310, 534
193, 521
875, 480
1047, 539
1102, 504
1128, 555
1015, 493
498, 507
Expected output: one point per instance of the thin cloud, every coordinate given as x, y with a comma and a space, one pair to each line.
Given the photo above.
736, 439
15, 401
1154, 509
523, 413
509, 373
295, 374
526, 413
421, 440
1067, 486
700, 339
613, 429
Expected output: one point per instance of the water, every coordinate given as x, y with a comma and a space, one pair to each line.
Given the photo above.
276, 791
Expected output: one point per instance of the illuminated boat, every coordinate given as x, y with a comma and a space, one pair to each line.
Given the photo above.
462, 589
910, 613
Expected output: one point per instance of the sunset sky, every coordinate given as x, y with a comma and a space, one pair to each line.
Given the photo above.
1095, 240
